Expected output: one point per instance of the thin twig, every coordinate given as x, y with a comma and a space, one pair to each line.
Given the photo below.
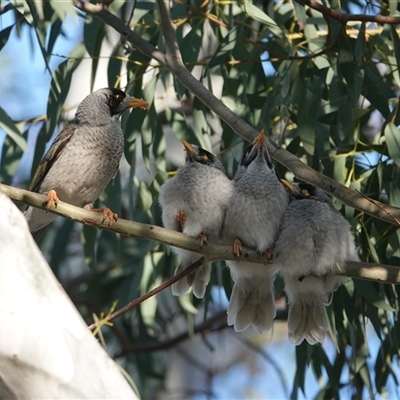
376, 203
345, 18
216, 323
149, 294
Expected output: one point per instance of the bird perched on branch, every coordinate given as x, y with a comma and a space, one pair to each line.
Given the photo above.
84, 156
194, 202
314, 241
252, 220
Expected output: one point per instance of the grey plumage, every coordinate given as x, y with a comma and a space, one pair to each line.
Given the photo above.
194, 202
85, 155
253, 217
314, 241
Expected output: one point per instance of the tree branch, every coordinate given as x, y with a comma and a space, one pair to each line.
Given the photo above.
215, 323
212, 252
345, 18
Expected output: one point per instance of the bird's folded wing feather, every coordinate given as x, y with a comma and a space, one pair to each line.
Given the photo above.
51, 156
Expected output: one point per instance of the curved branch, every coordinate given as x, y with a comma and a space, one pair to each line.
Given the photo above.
213, 324
212, 252
290, 161
344, 18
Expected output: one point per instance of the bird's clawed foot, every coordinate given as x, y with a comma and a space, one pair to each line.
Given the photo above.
107, 215
270, 254
51, 199
237, 247
203, 239
181, 218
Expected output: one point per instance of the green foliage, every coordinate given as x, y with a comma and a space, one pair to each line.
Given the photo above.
315, 93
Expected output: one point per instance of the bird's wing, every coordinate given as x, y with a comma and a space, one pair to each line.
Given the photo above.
51, 156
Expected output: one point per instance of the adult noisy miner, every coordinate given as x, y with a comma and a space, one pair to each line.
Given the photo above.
314, 241
84, 156
258, 203
194, 202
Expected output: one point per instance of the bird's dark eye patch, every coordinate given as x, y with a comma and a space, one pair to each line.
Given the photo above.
115, 99
248, 156
247, 152
204, 156
306, 189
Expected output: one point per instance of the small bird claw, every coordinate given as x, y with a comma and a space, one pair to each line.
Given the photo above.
270, 254
107, 215
203, 239
237, 247
181, 218
51, 199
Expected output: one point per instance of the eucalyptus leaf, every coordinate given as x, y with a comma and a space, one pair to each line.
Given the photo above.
4, 35
63, 8
224, 48
12, 130
392, 136
258, 15
368, 291
309, 101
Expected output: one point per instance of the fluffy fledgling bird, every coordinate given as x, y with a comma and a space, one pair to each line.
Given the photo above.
84, 156
252, 220
314, 241
194, 202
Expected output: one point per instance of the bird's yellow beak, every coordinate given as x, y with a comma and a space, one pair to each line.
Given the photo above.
289, 186
189, 148
137, 103
259, 141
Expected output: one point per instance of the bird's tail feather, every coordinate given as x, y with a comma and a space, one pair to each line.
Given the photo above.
307, 317
252, 304
198, 280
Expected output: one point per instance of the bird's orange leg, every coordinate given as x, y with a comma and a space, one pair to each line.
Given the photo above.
51, 199
237, 247
203, 239
181, 218
270, 254
107, 215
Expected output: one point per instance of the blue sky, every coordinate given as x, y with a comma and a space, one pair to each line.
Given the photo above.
26, 80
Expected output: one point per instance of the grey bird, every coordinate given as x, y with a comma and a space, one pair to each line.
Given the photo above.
84, 156
252, 220
194, 202
314, 241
